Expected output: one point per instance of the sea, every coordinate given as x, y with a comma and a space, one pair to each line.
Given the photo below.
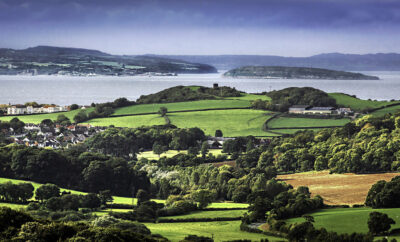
66, 90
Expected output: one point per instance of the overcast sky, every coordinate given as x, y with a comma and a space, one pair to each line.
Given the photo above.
264, 27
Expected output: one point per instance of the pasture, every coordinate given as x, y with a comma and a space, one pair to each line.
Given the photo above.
358, 104
241, 122
211, 214
348, 220
170, 153
37, 118
381, 112
337, 189
283, 122
182, 106
220, 231
128, 121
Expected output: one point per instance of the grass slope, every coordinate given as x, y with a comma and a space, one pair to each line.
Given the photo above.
170, 153
129, 121
384, 111
348, 220
37, 118
220, 231
182, 106
358, 104
305, 122
211, 214
242, 122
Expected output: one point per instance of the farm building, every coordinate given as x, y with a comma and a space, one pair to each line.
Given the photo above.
306, 109
298, 109
320, 110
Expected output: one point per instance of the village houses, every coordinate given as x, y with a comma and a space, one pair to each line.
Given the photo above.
23, 109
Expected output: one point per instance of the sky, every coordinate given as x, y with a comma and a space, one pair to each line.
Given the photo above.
205, 27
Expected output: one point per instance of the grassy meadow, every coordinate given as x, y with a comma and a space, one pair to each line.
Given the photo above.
382, 112
241, 122
220, 231
128, 121
182, 106
211, 214
170, 153
283, 122
348, 220
358, 104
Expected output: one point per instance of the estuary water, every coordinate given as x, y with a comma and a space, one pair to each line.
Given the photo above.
65, 90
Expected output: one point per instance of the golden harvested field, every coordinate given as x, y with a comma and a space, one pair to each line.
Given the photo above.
336, 189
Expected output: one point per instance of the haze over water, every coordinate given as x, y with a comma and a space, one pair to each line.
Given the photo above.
65, 90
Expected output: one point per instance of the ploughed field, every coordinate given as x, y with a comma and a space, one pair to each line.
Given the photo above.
337, 189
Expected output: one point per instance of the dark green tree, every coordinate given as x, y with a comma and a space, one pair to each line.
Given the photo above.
379, 222
47, 191
218, 133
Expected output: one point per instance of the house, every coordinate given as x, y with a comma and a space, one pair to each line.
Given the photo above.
345, 111
298, 109
17, 109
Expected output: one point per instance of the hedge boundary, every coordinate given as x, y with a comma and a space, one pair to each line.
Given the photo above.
190, 220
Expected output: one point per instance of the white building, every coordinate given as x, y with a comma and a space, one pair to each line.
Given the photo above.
22, 109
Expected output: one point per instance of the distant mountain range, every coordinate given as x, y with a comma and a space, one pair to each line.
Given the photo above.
285, 72
48, 60
335, 61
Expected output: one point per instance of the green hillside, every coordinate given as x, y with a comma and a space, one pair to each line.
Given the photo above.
182, 106
241, 122
351, 219
358, 104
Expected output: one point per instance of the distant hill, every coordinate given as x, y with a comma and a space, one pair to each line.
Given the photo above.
50, 60
335, 61
295, 73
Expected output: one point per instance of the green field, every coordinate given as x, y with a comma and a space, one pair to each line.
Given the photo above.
305, 122
220, 231
241, 122
384, 111
37, 118
181, 106
129, 121
170, 153
12, 205
348, 220
211, 214
228, 205
358, 104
